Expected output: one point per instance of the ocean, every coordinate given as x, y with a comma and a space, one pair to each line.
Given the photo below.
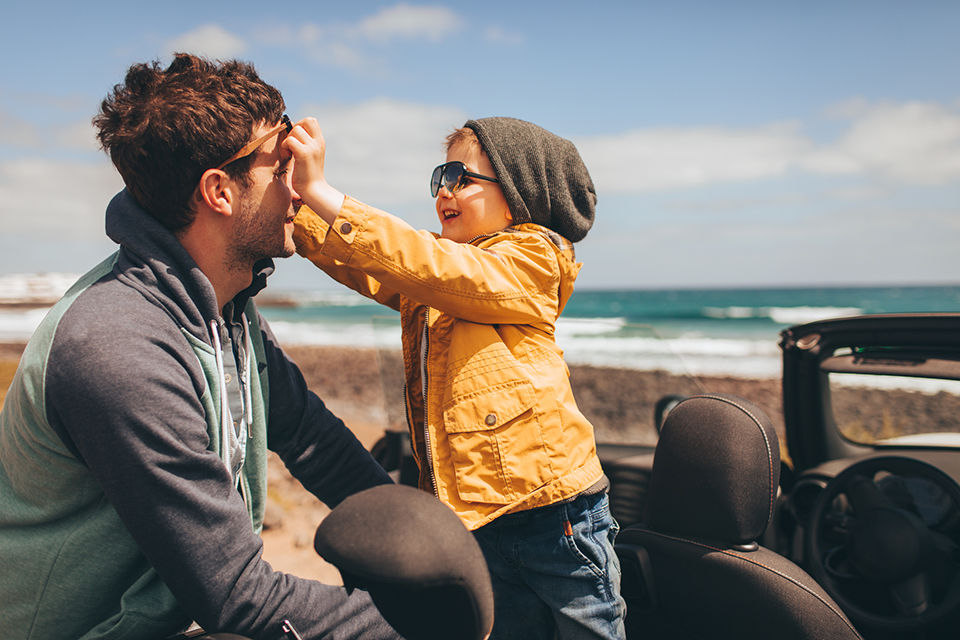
685, 331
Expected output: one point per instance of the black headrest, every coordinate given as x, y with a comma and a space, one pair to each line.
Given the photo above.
716, 470
423, 569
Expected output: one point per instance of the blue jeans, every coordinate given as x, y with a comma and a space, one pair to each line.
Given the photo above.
554, 572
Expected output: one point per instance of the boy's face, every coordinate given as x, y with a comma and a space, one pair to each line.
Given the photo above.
479, 207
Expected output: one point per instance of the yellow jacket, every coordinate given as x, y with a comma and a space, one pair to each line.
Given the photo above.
499, 430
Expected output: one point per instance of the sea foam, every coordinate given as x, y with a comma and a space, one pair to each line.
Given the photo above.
34, 288
780, 315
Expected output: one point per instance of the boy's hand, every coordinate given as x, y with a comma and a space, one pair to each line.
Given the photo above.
306, 144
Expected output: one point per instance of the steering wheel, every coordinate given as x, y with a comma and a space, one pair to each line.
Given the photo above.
886, 550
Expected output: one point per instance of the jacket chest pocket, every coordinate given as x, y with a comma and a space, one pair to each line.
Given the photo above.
496, 444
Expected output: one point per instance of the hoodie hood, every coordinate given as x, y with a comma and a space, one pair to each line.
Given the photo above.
153, 261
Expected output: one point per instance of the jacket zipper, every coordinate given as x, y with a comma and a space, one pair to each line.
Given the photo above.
424, 350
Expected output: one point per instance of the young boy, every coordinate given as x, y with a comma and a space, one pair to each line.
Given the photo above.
495, 427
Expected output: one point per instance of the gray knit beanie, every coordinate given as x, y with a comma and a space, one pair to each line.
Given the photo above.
541, 174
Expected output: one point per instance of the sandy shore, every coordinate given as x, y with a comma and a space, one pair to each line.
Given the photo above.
364, 387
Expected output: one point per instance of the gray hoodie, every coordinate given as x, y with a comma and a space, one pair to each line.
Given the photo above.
119, 517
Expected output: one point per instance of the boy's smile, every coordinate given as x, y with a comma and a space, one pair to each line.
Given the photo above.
479, 207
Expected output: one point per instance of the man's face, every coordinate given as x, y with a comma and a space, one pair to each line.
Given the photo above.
263, 227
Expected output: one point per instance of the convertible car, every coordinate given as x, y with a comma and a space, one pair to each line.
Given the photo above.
846, 524
839, 520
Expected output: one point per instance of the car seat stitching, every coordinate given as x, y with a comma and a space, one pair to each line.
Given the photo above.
772, 493
733, 554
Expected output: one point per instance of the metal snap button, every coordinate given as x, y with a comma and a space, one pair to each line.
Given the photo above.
346, 228
491, 419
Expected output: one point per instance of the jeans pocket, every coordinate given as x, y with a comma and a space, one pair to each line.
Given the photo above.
613, 530
590, 536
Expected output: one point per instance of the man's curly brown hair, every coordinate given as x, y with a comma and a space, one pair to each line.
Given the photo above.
164, 127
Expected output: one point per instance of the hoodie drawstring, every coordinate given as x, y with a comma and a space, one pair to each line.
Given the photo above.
229, 437
225, 419
245, 383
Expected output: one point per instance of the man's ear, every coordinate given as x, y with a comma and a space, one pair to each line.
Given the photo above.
217, 191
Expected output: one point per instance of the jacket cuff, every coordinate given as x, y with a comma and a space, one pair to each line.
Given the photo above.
345, 229
309, 232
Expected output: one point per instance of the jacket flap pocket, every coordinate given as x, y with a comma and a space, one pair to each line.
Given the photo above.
489, 409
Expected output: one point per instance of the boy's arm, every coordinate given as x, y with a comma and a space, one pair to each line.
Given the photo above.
517, 284
309, 233
306, 145
516, 281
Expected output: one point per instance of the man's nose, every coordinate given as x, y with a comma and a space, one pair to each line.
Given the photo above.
288, 181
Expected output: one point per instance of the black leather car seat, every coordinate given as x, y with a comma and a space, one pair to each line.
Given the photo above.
694, 569
423, 569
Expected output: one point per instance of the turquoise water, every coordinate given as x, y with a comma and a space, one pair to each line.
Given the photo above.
755, 312
709, 331
689, 331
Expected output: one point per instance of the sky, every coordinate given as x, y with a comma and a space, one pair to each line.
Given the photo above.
732, 144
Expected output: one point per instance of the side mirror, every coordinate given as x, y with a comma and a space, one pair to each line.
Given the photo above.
664, 406
393, 452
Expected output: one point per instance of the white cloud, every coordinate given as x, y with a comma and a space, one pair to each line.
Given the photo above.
902, 243
713, 203
15, 132
331, 45
847, 109
383, 150
912, 143
404, 21
857, 192
212, 41
346, 45
56, 198
835, 245
501, 35
79, 136
380, 151
340, 54
647, 160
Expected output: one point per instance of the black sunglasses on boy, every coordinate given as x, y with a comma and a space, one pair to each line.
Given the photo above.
454, 176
